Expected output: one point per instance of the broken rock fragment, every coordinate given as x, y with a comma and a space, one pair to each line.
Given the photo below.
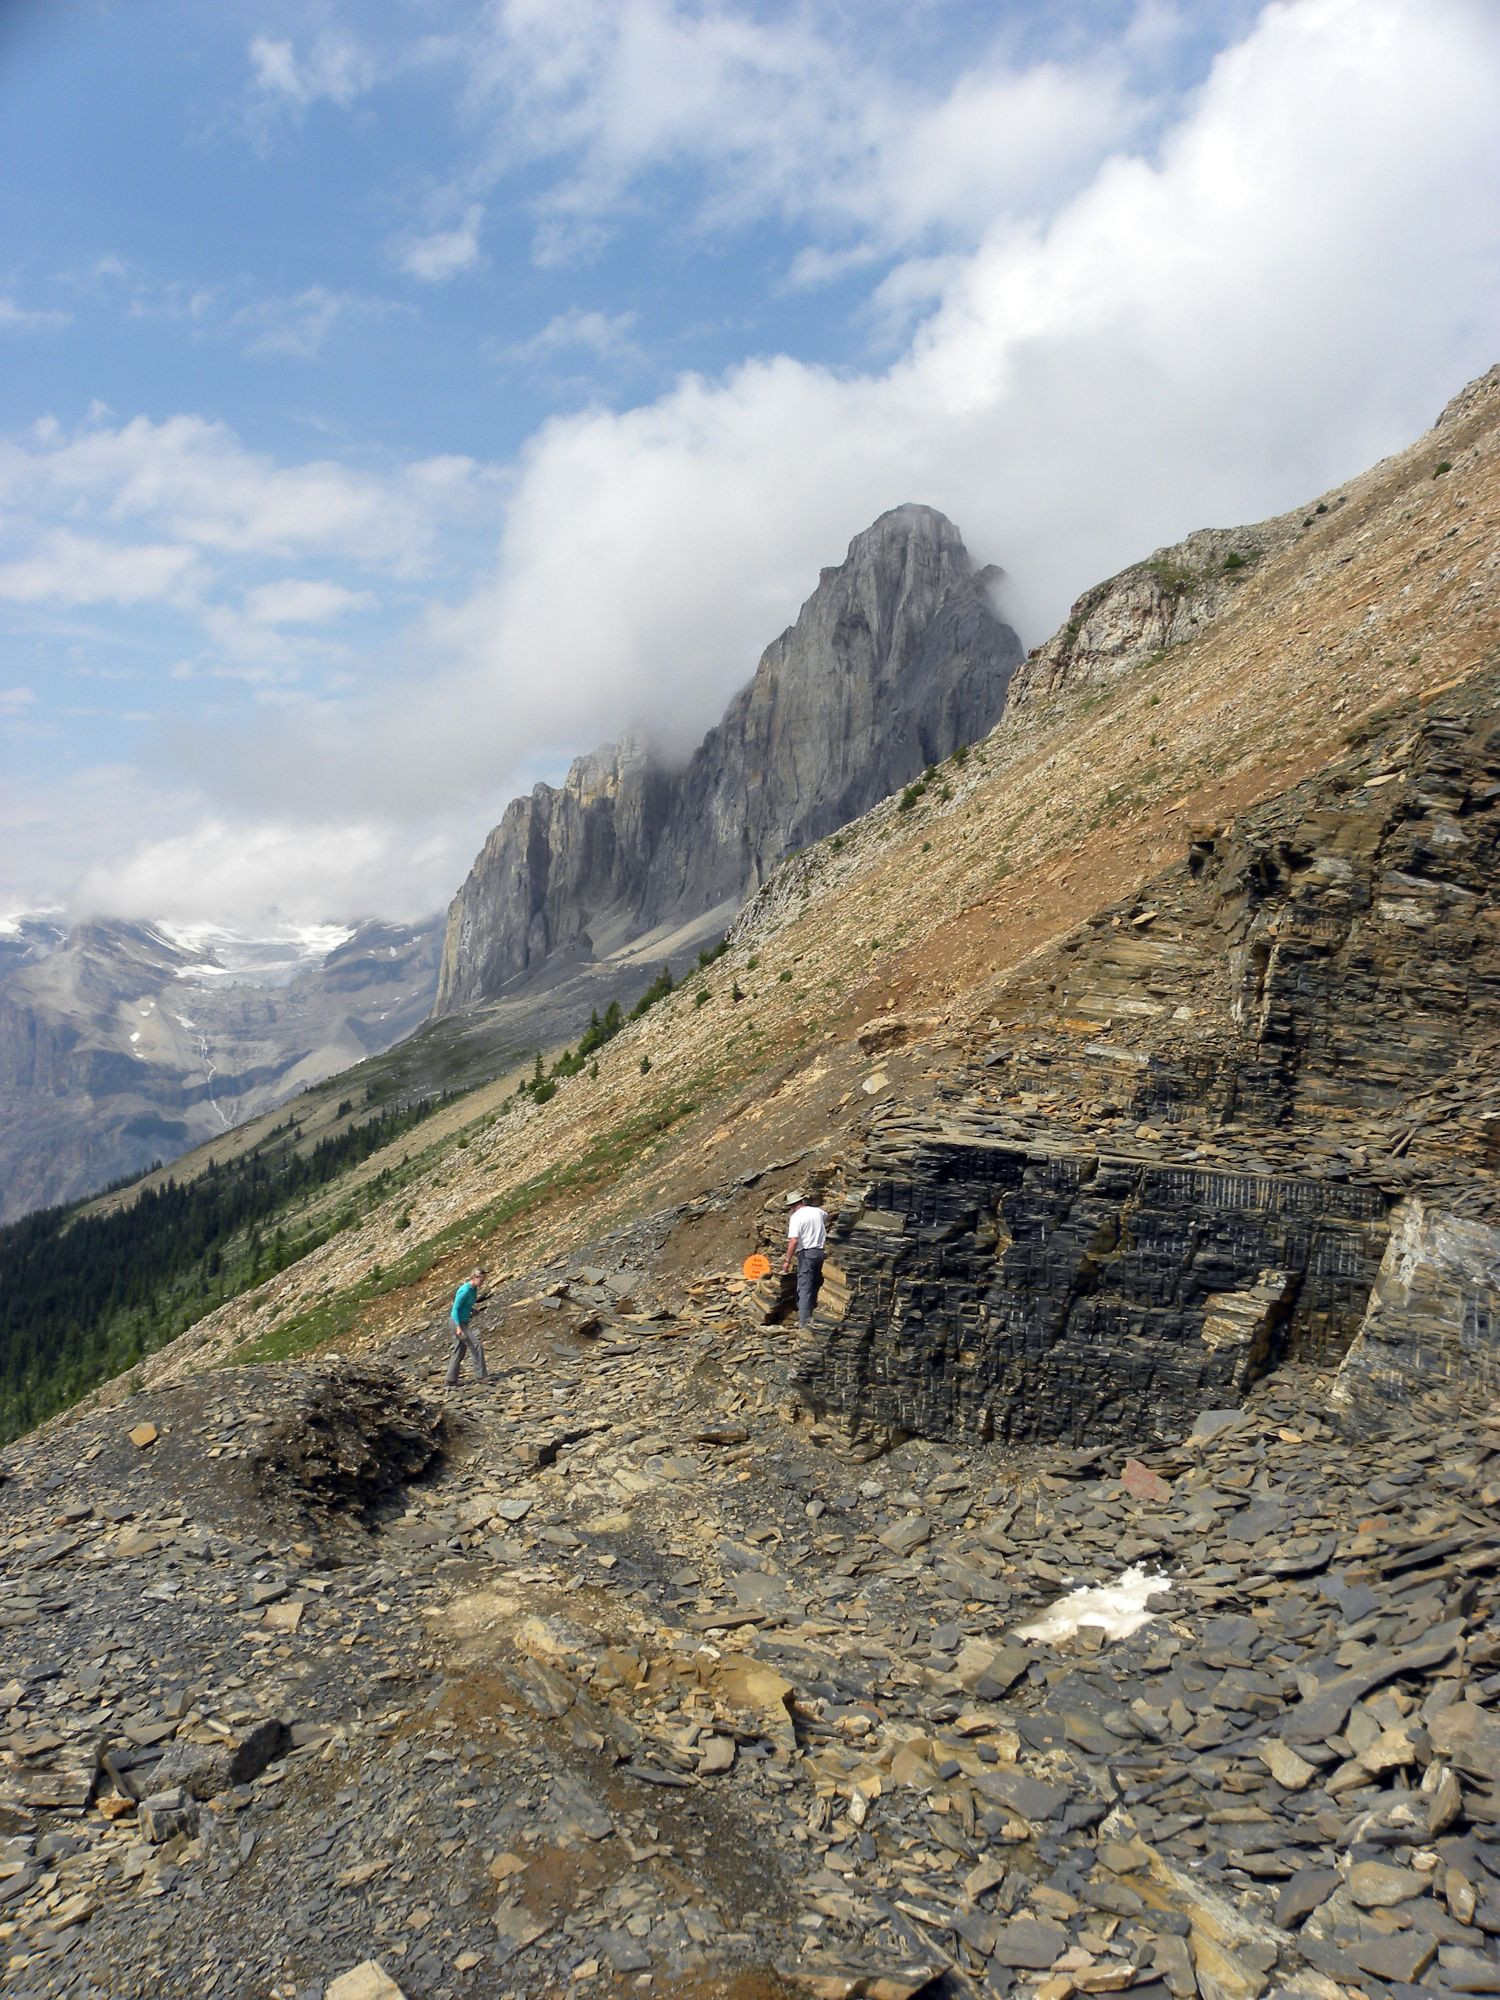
369, 1981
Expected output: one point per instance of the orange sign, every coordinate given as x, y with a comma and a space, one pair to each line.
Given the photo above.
757, 1265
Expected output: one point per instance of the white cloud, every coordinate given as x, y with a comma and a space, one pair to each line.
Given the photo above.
443, 253
1286, 281
1285, 289
578, 331
334, 67
291, 325
871, 133
784, 116
297, 326
302, 601
66, 568
255, 867
110, 808
200, 307
13, 699
192, 479
29, 319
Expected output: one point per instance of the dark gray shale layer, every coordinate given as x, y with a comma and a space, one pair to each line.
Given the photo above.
1183, 1143
1002, 1292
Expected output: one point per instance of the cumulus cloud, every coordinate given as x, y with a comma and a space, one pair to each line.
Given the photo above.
66, 568
1203, 333
192, 478
786, 115
256, 867
443, 253
102, 799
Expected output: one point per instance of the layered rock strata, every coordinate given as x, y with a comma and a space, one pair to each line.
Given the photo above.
1174, 1160
1432, 1322
896, 658
1003, 1292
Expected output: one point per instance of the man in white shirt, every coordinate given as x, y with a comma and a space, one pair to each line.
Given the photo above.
806, 1238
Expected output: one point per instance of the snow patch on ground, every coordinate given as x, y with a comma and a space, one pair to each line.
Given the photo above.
1120, 1607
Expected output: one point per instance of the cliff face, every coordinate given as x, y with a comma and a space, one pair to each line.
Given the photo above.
1131, 619
895, 659
1274, 1057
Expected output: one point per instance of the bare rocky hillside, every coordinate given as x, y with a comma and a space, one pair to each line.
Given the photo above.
1144, 1059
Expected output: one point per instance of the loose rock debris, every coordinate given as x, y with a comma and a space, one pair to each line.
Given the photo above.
352, 1437
686, 1693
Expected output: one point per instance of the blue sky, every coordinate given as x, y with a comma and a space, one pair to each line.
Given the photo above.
397, 398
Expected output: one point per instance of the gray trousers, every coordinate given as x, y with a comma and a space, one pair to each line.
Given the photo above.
809, 1278
466, 1337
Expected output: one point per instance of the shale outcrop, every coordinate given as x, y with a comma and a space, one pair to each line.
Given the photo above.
897, 658
1178, 1158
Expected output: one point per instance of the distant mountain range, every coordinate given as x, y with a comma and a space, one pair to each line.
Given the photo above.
126, 1043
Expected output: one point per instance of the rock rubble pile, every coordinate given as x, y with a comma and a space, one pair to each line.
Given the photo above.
646, 1686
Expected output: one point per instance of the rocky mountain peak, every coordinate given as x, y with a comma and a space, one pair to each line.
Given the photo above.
911, 524
896, 658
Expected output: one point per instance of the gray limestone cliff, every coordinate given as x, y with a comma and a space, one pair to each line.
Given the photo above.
895, 659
